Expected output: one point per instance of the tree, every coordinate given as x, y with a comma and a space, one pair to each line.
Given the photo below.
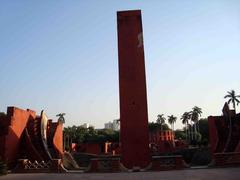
185, 120
179, 134
195, 114
161, 120
153, 127
61, 117
171, 120
203, 130
233, 98
66, 138
2, 114
80, 134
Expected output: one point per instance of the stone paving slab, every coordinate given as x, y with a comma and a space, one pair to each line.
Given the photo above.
190, 174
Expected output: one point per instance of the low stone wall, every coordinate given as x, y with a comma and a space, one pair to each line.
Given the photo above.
227, 159
161, 163
105, 164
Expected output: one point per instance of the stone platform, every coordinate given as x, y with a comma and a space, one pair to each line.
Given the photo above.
227, 159
158, 163
163, 163
199, 174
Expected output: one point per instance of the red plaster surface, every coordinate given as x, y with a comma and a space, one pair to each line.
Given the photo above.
161, 141
225, 142
58, 139
20, 137
213, 135
159, 136
132, 86
17, 120
92, 148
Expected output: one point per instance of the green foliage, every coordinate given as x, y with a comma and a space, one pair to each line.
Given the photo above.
172, 119
197, 137
203, 130
186, 117
195, 114
195, 156
79, 134
160, 119
201, 157
153, 127
192, 129
180, 134
233, 98
2, 114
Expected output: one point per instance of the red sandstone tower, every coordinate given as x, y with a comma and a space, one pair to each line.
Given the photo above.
132, 86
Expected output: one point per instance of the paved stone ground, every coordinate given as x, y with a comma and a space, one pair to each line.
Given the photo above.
191, 174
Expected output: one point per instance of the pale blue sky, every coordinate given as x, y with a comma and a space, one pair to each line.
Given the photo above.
61, 56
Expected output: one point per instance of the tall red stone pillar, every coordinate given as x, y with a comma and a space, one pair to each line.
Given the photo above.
132, 86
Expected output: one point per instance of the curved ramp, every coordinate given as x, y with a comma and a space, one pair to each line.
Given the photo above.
36, 128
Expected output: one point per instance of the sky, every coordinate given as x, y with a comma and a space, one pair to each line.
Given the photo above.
61, 56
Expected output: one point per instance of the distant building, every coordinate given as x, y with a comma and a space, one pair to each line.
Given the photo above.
108, 125
85, 125
112, 125
116, 124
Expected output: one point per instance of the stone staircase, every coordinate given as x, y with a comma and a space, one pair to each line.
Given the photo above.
34, 131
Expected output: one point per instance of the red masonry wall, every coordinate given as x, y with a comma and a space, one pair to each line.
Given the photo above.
213, 135
18, 119
92, 148
132, 86
58, 139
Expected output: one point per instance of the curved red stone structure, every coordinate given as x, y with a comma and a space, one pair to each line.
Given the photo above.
224, 133
13, 126
56, 140
21, 137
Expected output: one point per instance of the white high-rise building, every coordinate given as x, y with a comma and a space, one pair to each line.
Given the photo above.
112, 125
108, 125
85, 125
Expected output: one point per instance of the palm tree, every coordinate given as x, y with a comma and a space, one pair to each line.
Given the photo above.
233, 98
61, 117
161, 120
195, 114
171, 120
185, 120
